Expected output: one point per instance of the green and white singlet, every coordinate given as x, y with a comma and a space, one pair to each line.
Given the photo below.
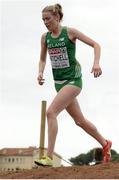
62, 55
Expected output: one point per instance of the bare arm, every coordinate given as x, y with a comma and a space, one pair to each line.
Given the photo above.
75, 34
42, 61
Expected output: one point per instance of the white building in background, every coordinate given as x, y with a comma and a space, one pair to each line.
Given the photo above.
12, 159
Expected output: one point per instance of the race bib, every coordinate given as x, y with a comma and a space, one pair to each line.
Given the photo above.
59, 58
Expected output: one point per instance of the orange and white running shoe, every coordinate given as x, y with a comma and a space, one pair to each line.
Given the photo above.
107, 152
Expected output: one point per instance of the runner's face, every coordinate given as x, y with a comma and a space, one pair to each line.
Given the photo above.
50, 20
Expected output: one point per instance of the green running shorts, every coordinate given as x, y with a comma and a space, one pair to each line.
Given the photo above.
75, 82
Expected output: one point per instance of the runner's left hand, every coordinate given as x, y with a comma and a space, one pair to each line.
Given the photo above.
96, 70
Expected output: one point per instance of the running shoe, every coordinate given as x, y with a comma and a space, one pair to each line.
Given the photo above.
44, 161
107, 152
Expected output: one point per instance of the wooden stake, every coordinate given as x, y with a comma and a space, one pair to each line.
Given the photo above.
42, 129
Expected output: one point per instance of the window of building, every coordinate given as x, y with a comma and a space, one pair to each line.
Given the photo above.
17, 160
13, 159
9, 160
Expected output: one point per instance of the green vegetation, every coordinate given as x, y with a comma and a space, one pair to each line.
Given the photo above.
87, 158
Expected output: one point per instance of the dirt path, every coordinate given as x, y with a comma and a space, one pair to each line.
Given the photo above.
108, 171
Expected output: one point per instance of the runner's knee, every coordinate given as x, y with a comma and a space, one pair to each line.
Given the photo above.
80, 123
51, 114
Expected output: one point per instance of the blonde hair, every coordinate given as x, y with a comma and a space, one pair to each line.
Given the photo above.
55, 10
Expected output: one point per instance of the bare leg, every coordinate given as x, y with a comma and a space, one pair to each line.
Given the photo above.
74, 110
64, 97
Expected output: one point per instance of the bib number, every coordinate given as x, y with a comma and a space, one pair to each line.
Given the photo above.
59, 58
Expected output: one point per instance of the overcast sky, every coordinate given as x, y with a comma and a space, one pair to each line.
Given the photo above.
21, 96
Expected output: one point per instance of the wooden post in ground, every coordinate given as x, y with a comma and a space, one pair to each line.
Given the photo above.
42, 129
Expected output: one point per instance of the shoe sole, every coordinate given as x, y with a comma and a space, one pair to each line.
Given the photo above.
42, 164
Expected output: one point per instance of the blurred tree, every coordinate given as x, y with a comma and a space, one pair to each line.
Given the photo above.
94, 154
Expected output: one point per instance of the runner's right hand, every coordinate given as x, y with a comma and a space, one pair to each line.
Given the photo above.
40, 78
